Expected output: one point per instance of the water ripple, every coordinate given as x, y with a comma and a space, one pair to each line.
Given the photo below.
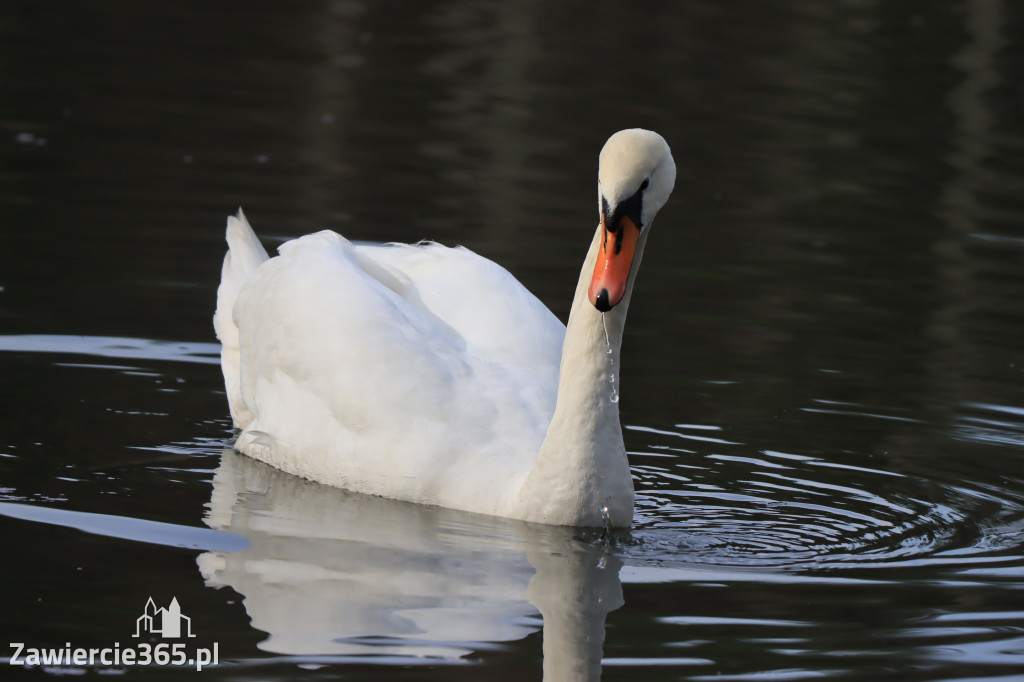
733, 506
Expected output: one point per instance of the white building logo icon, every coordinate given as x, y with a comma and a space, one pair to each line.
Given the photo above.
164, 622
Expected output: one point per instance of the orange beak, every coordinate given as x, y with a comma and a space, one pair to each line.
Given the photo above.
614, 260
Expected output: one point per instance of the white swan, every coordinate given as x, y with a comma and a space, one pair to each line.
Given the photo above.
429, 374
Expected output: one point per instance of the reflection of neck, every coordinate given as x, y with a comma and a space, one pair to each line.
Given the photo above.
574, 592
582, 466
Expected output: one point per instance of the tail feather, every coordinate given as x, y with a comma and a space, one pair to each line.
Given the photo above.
243, 244
245, 255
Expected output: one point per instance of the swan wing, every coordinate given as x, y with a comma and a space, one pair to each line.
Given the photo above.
416, 372
472, 299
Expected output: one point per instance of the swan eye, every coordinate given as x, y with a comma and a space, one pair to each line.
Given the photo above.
645, 184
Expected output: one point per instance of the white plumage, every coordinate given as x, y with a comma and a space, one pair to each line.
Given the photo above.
430, 374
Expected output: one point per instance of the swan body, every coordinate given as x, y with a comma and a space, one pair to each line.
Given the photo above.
430, 374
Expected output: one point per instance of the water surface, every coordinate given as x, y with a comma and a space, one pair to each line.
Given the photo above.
822, 370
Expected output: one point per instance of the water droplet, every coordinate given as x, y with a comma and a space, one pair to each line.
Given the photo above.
607, 537
607, 342
614, 396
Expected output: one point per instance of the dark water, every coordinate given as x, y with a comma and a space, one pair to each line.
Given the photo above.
823, 367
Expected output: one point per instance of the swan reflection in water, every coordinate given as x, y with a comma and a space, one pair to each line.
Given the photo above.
330, 573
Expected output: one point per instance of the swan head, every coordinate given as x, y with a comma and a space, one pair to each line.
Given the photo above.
635, 178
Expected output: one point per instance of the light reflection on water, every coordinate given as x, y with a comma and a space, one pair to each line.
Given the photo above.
800, 512
821, 378
332, 578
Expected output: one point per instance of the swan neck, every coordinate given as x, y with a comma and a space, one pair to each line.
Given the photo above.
589, 369
589, 372
581, 474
